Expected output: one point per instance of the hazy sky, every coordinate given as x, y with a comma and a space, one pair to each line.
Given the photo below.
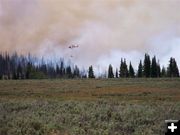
105, 30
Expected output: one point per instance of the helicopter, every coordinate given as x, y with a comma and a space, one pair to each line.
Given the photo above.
73, 46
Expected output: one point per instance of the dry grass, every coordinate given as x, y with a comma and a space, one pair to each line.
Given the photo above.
88, 107
138, 89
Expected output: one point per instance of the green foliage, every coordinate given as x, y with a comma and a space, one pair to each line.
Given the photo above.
91, 72
29, 68
69, 72
43, 107
140, 70
147, 66
172, 70
37, 75
154, 68
159, 74
16, 67
117, 73
163, 72
76, 73
39, 117
131, 71
123, 69
110, 72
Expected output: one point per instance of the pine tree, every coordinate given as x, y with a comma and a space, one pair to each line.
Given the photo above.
147, 66
83, 73
69, 72
76, 73
172, 70
7, 65
110, 72
154, 68
163, 72
43, 69
28, 70
126, 72
57, 70
117, 73
123, 69
62, 69
158, 70
131, 71
1, 66
176, 70
19, 71
140, 70
91, 72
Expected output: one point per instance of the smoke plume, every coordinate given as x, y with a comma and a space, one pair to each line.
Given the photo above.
105, 30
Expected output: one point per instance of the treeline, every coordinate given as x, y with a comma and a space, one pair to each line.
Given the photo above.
148, 68
28, 67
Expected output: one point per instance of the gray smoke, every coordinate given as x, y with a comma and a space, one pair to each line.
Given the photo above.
105, 30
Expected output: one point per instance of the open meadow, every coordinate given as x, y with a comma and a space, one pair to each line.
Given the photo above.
88, 107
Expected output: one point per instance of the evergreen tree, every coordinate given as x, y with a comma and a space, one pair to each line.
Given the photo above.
57, 71
62, 69
28, 70
117, 73
131, 71
76, 73
123, 69
126, 72
28, 67
158, 70
163, 72
7, 65
14, 75
172, 69
51, 71
69, 72
154, 68
19, 71
1, 66
147, 66
83, 73
140, 70
91, 72
110, 72
43, 69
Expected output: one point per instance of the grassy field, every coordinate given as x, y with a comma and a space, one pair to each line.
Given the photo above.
88, 107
